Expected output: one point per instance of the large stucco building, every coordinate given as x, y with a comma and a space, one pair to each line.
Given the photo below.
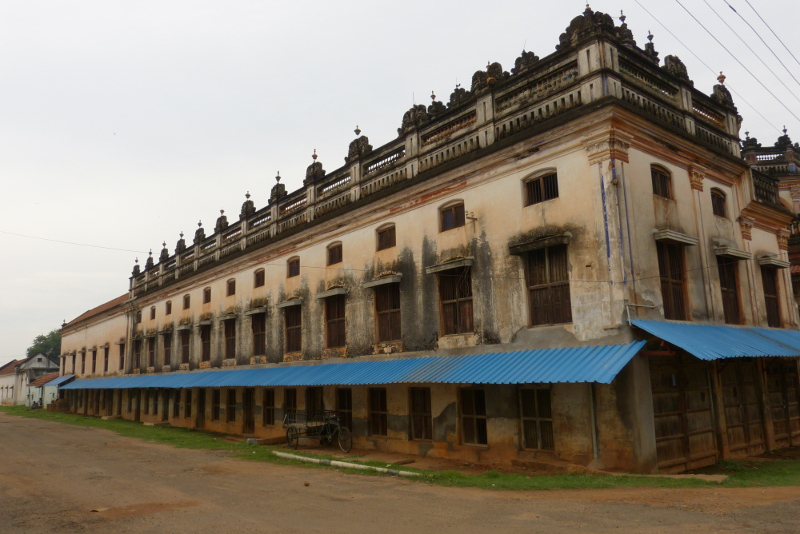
592, 269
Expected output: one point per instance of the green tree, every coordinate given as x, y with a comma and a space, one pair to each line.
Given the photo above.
47, 344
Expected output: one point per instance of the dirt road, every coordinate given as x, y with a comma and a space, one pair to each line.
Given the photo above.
53, 475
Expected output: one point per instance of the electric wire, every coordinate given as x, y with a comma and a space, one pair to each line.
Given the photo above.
739, 62
71, 242
730, 87
754, 52
763, 41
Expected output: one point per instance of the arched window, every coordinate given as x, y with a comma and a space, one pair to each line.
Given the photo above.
168, 308
718, 202
451, 216
386, 237
335, 253
152, 312
662, 182
231, 287
258, 278
541, 187
293, 267
207, 295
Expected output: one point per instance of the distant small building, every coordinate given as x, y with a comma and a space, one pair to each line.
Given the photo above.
38, 391
7, 380
27, 372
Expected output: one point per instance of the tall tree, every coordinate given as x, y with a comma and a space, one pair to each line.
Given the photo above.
47, 344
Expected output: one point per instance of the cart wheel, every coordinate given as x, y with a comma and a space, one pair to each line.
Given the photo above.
345, 439
325, 435
292, 437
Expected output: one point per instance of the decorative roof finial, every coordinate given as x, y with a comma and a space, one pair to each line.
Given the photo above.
151, 252
357, 131
314, 155
747, 135
164, 244
433, 96
721, 78
784, 129
278, 178
222, 212
181, 234
136, 260
588, 9
199, 223
649, 36
622, 16
247, 195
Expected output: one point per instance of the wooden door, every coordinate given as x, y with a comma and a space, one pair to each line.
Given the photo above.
165, 405
740, 393
200, 421
683, 413
782, 389
248, 407
137, 407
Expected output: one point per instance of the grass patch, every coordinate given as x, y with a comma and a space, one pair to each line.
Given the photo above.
779, 472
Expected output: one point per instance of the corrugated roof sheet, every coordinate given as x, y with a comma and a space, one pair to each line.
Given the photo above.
44, 379
60, 380
712, 342
580, 364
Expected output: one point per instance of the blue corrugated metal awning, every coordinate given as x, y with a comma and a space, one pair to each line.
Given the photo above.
712, 342
580, 364
60, 380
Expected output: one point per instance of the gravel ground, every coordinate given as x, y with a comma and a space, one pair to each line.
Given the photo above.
52, 476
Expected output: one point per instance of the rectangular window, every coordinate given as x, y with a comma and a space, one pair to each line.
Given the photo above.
378, 412
258, 279
186, 302
138, 316
548, 286
137, 354
122, 357
421, 420
334, 254
670, 268
167, 349
769, 281
387, 307
94, 361
294, 319
452, 217
259, 325
105, 359
537, 420
176, 403
293, 268
187, 404
344, 407
168, 308
268, 408
473, 416
215, 396
541, 189
386, 238
230, 339
230, 409
185, 337
661, 183
289, 401
207, 295
334, 319
231, 287
147, 402
151, 352
205, 343
729, 286
155, 402
455, 295
152, 313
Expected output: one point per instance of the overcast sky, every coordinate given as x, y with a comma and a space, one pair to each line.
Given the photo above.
124, 122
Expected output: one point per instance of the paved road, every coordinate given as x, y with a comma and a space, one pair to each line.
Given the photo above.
53, 475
